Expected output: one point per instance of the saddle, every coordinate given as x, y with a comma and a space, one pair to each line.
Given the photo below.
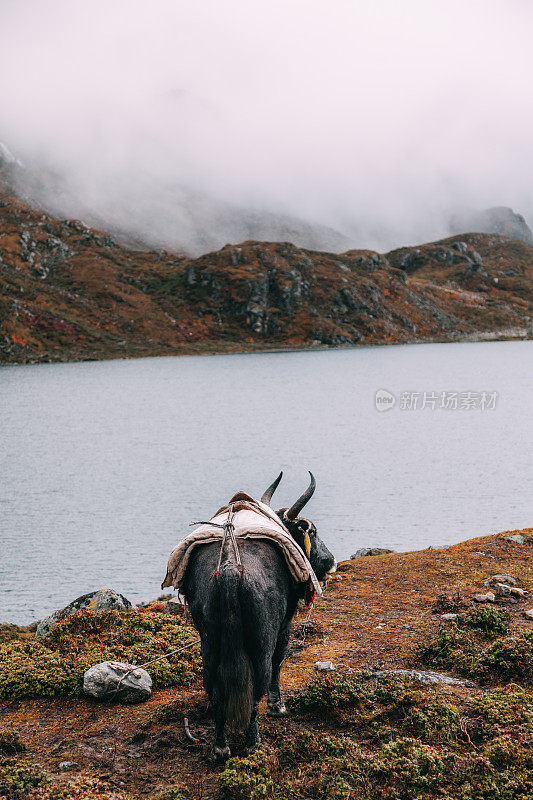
251, 519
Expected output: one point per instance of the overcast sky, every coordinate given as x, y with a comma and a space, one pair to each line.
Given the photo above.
373, 115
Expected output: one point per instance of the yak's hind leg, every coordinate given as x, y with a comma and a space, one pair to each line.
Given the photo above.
262, 668
276, 706
221, 749
210, 659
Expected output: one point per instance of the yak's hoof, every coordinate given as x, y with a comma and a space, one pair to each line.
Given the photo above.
249, 749
221, 753
277, 709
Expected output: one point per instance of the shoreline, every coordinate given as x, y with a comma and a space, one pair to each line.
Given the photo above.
505, 335
431, 549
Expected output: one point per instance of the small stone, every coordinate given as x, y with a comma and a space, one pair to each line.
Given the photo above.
516, 537
490, 597
508, 579
449, 617
371, 551
324, 666
502, 590
112, 680
66, 765
528, 614
519, 592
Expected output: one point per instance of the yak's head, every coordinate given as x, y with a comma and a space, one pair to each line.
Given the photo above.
303, 530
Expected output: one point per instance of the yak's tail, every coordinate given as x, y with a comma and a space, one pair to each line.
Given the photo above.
235, 670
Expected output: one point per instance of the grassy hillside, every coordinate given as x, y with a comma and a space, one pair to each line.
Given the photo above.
69, 292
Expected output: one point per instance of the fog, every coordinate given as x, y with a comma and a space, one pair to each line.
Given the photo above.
190, 124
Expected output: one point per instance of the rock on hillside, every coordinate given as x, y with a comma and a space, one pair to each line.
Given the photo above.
501, 220
71, 292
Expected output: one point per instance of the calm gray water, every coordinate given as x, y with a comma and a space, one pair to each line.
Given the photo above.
103, 465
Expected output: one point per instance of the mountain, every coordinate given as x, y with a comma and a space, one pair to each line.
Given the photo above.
141, 213
68, 292
501, 220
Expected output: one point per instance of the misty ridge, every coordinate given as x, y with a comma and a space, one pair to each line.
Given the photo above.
331, 125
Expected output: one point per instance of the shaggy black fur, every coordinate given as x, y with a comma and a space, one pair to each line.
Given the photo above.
243, 616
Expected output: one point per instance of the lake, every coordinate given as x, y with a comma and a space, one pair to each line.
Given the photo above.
104, 464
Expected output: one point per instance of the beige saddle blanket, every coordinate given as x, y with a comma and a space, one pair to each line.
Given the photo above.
252, 520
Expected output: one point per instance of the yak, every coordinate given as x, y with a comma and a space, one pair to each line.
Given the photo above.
243, 614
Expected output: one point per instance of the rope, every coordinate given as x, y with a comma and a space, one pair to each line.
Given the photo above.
306, 623
229, 530
159, 658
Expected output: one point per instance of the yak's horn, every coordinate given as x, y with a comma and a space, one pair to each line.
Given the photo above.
295, 509
267, 495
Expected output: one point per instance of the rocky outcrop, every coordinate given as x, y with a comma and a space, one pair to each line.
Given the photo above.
70, 292
420, 676
500, 220
102, 600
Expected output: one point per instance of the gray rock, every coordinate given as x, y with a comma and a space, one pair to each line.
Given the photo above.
501, 220
324, 666
371, 551
518, 592
101, 600
461, 247
66, 765
516, 537
494, 579
502, 590
528, 613
490, 597
112, 680
174, 606
421, 676
449, 617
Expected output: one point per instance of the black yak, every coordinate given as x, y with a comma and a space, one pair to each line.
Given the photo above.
243, 614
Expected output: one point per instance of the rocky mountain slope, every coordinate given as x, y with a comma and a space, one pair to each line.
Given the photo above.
169, 214
71, 292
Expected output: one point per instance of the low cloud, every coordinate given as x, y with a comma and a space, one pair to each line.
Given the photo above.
177, 121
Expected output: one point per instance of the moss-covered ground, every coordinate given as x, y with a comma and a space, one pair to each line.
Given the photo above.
347, 734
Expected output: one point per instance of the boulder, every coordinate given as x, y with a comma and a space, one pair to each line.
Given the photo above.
101, 600
508, 579
112, 680
448, 617
371, 551
516, 537
502, 590
490, 597
421, 676
528, 613
518, 592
